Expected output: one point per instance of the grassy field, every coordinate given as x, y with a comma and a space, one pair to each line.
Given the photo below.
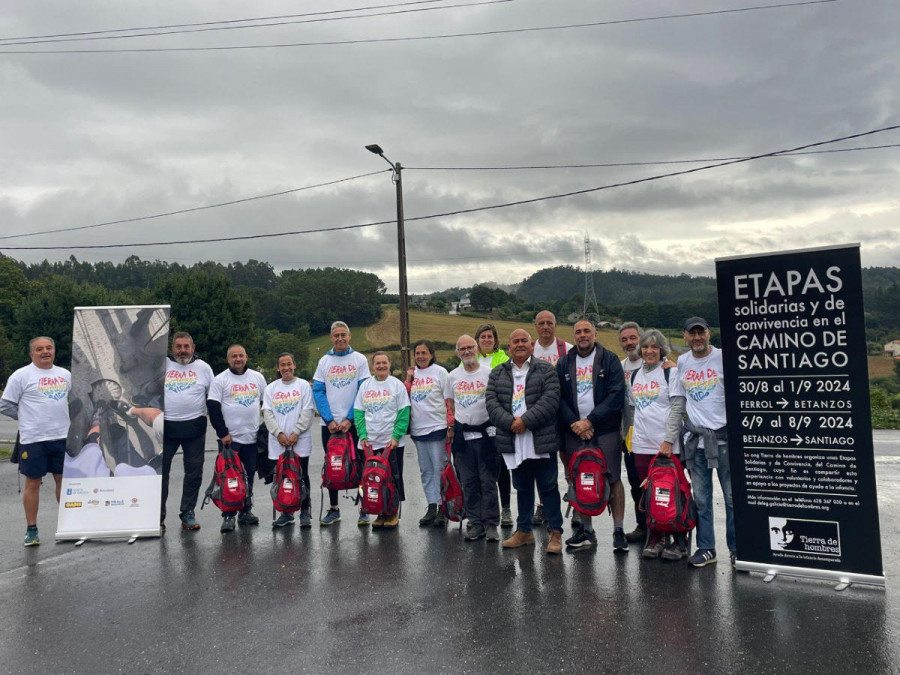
881, 366
431, 326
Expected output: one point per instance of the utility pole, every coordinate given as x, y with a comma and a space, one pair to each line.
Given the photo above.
397, 179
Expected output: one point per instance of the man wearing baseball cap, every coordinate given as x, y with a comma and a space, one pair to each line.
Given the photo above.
705, 440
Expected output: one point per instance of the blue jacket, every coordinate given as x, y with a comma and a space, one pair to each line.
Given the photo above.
609, 391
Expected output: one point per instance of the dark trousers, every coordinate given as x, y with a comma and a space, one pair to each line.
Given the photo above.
247, 454
478, 464
542, 473
504, 483
192, 449
360, 458
634, 480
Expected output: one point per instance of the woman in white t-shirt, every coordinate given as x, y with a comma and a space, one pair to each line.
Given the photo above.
658, 399
288, 410
381, 414
428, 421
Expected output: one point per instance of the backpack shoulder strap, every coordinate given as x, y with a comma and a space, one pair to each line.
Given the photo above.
560, 347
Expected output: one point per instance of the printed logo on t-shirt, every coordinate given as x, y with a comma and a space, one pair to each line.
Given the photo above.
421, 387
340, 376
178, 380
244, 394
284, 402
374, 400
699, 384
54, 388
518, 399
645, 394
466, 393
584, 378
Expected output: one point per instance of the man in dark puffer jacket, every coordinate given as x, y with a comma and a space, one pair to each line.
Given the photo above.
522, 402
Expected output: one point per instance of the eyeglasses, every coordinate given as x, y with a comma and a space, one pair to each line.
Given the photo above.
470, 348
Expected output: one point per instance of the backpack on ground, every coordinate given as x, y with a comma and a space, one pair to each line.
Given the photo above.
288, 489
341, 469
379, 493
228, 487
589, 487
667, 499
452, 502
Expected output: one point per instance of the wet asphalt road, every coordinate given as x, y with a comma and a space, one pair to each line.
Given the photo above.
346, 599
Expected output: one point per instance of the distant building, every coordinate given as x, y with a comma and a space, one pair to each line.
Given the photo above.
464, 304
892, 349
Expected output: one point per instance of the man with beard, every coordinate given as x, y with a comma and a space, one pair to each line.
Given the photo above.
187, 384
629, 336
234, 401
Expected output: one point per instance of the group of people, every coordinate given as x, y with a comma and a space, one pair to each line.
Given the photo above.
501, 417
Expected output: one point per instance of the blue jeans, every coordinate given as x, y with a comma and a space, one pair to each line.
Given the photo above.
543, 473
701, 480
432, 459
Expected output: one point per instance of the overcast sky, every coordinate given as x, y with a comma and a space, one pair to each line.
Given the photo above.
88, 138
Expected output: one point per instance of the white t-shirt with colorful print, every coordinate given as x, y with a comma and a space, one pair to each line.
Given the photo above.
704, 387
467, 390
381, 401
341, 375
240, 396
186, 389
584, 382
426, 396
286, 400
650, 395
42, 395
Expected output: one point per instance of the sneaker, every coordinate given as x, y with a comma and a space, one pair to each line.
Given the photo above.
188, 522
31, 536
284, 520
674, 552
554, 546
430, 515
363, 519
637, 535
577, 531
391, 522
491, 533
655, 546
305, 519
227, 524
539, 517
620, 544
474, 532
581, 540
702, 558
331, 516
379, 522
248, 518
506, 519
519, 539
440, 520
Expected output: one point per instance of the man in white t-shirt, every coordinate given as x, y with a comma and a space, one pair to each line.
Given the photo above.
472, 442
335, 383
37, 396
629, 337
234, 401
187, 384
706, 439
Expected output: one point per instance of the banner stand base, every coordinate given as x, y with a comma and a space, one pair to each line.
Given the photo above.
844, 579
129, 536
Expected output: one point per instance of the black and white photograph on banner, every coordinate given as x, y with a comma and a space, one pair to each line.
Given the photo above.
113, 463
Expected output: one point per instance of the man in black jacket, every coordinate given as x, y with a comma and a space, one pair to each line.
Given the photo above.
523, 401
590, 411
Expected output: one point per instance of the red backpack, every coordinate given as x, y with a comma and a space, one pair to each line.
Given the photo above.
340, 470
288, 490
667, 497
379, 494
452, 503
228, 487
589, 487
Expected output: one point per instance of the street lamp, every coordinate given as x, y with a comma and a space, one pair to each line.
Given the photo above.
401, 257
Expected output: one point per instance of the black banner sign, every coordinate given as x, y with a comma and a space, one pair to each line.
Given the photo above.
797, 402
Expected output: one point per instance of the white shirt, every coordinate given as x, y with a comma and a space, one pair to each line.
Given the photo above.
381, 401
628, 365
704, 387
42, 397
550, 354
241, 397
426, 397
467, 391
524, 442
186, 389
650, 395
584, 381
341, 375
286, 400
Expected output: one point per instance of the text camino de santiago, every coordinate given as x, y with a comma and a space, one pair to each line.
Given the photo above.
804, 313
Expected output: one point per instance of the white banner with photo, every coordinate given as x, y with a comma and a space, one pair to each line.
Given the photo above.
112, 477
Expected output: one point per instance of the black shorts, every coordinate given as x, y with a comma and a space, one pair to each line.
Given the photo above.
36, 460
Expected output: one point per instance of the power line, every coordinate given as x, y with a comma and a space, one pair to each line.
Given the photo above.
507, 31
491, 207
258, 25
621, 164
195, 208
